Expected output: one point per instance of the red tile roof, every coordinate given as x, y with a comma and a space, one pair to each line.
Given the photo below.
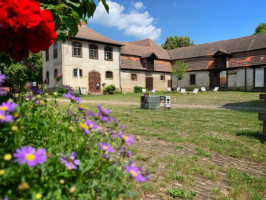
86, 33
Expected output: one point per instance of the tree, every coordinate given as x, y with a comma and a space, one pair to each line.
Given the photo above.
68, 13
261, 29
179, 70
177, 42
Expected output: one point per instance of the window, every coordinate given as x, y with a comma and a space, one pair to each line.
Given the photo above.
47, 55
75, 72
55, 73
133, 77
76, 49
93, 51
108, 53
192, 79
162, 78
55, 50
108, 74
47, 77
220, 62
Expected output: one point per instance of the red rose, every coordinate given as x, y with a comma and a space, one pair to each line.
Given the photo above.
25, 27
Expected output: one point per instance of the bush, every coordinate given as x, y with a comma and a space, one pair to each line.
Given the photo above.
110, 89
138, 89
50, 151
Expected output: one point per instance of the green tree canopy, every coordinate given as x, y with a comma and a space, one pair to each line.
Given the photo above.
177, 42
261, 29
179, 69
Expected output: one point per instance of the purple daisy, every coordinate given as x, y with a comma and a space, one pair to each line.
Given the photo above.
128, 140
104, 118
88, 126
125, 152
8, 106
106, 148
103, 110
3, 91
135, 172
29, 156
2, 78
69, 89
70, 161
5, 117
91, 114
67, 95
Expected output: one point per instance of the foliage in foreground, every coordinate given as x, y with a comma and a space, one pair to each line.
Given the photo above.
50, 152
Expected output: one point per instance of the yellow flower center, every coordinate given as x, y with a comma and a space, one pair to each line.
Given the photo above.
14, 128
42, 102
125, 137
133, 173
16, 115
84, 126
38, 196
2, 172
7, 157
82, 106
3, 108
2, 117
105, 147
91, 125
30, 157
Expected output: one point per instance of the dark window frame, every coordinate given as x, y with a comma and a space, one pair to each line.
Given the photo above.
192, 81
134, 77
55, 73
108, 53
47, 55
109, 75
75, 72
77, 49
47, 77
55, 50
162, 76
93, 48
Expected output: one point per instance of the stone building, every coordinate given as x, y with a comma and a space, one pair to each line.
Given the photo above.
236, 64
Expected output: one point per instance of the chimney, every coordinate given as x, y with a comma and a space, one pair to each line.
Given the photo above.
82, 23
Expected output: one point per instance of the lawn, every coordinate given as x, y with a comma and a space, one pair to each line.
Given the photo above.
195, 153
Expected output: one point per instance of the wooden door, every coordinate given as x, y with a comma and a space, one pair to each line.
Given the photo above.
149, 83
214, 79
94, 82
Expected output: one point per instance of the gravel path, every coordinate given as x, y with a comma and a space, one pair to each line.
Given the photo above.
239, 108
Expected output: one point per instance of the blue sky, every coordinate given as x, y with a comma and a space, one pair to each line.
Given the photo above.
202, 20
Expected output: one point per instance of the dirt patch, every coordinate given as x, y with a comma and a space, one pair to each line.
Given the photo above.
156, 155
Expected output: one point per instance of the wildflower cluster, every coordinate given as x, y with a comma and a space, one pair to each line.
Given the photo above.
63, 152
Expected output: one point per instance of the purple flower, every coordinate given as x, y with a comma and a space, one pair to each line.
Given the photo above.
106, 148
8, 106
69, 89
88, 126
2, 78
5, 117
91, 114
29, 156
35, 90
3, 91
104, 118
67, 95
81, 107
125, 152
135, 172
128, 140
70, 161
102, 110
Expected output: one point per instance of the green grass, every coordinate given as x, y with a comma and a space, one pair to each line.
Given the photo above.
179, 145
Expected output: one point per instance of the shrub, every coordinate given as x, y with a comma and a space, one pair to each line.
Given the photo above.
138, 89
56, 152
110, 89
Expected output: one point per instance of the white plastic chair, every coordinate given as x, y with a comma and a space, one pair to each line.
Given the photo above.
169, 89
153, 90
183, 91
195, 91
143, 90
215, 89
203, 89
177, 89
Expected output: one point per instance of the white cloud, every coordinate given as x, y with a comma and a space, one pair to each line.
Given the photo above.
139, 5
132, 23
